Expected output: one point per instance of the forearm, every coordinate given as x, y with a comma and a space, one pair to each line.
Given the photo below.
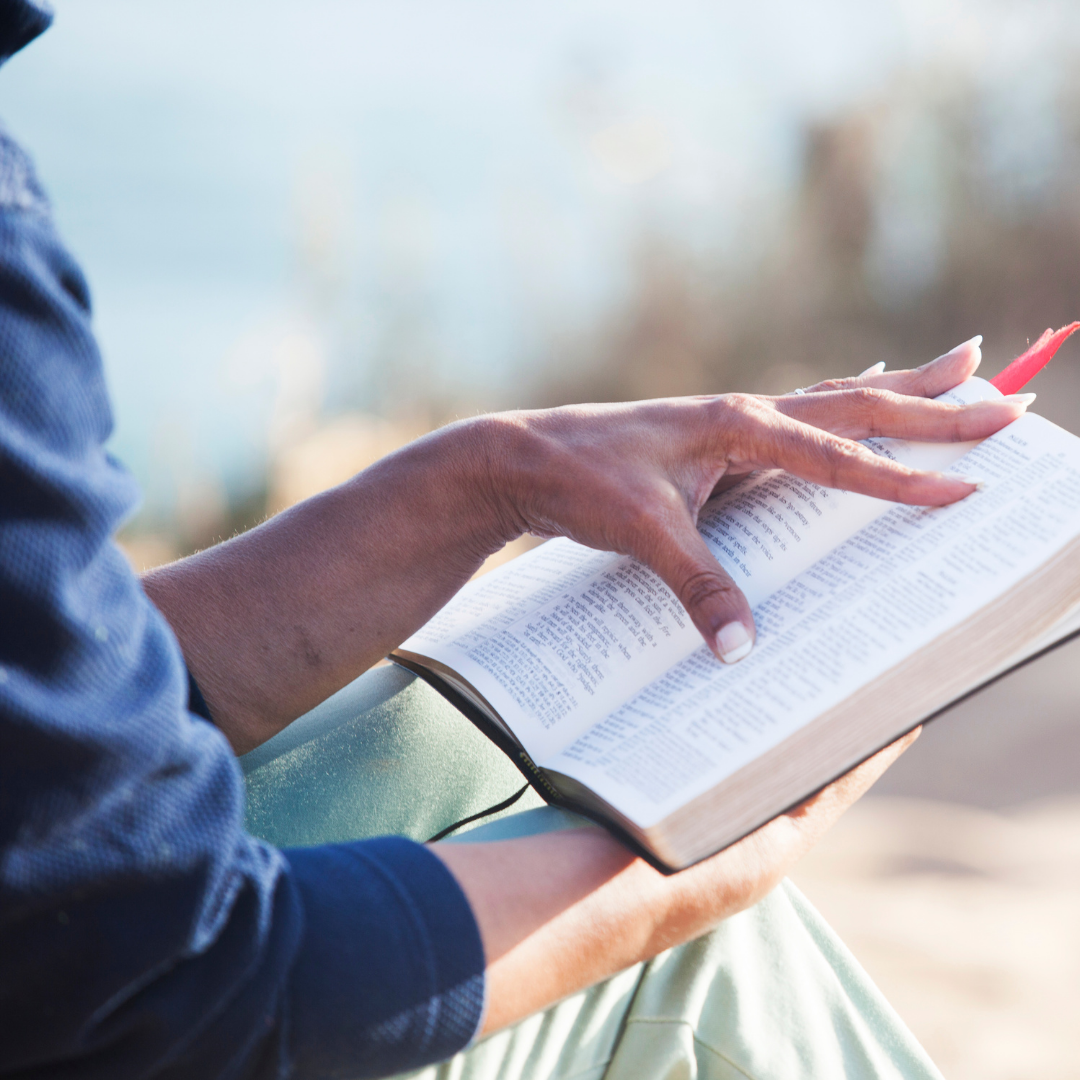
557, 913
564, 911
274, 621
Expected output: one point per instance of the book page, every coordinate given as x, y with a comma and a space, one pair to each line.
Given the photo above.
563, 635
503, 595
892, 588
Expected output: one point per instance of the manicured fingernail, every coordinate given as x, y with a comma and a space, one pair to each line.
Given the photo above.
974, 481
974, 342
970, 344
877, 369
734, 642
1020, 399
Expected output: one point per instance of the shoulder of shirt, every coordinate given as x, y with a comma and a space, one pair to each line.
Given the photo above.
20, 22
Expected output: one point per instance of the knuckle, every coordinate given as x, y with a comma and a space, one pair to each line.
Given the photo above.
743, 405
843, 456
747, 413
705, 586
957, 416
919, 378
900, 484
832, 385
872, 395
653, 512
751, 405
871, 400
637, 520
870, 403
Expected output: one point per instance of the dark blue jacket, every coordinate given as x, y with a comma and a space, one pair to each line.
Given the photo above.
142, 932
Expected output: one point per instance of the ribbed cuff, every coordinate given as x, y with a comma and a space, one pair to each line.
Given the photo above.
390, 972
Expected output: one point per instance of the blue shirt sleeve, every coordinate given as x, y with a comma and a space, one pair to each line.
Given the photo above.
142, 932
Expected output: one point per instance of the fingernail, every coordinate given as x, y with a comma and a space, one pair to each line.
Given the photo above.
733, 642
976, 483
1020, 399
877, 369
975, 342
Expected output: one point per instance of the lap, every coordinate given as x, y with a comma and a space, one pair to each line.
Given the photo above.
386, 755
771, 994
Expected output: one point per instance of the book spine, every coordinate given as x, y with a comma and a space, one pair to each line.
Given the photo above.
535, 775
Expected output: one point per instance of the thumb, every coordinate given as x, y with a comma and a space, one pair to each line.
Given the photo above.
711, 598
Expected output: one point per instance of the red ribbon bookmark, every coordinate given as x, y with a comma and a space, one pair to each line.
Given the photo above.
1025, 367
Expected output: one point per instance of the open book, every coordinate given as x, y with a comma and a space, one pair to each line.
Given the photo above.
871, 618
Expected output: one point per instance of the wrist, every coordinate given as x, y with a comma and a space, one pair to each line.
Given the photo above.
506, 463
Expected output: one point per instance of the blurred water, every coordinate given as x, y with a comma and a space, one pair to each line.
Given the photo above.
289, 209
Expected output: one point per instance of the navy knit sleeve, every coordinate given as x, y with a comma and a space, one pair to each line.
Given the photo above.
429, 992
142, 932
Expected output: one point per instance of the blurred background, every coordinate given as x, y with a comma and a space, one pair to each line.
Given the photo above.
314, 231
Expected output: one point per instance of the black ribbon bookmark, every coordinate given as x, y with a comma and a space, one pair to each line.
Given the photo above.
482, 814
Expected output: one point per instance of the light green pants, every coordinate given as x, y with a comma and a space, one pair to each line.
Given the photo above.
772, 994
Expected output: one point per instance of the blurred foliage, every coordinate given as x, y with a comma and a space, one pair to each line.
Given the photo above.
867, 262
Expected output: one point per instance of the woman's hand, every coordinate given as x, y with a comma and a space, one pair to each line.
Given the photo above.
274, 621
632, 478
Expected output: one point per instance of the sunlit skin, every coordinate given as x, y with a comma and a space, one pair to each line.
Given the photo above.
274, 621
562, 911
